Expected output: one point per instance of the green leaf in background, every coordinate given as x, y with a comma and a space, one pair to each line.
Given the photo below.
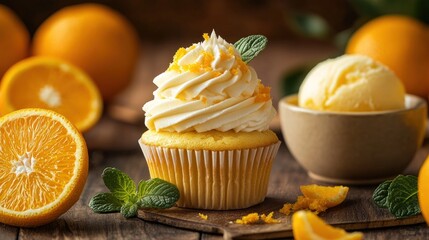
402, 199
309, 25
119, 183
129, 210
249, 47
380, 194
157, 193
105, 203
374, 8
292, 79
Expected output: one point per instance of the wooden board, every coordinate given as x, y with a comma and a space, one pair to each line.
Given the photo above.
357, 212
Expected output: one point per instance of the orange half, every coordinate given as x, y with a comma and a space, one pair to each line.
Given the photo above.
49, 83
43, 166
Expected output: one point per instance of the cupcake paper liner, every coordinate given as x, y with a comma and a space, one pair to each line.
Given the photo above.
217, 180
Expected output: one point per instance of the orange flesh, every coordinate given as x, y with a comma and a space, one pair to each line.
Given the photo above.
74, 94
50, 170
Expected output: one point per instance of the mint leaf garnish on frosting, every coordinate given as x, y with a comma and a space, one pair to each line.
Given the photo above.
249, 47
126, 198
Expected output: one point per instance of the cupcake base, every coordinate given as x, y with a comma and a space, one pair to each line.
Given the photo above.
218, 180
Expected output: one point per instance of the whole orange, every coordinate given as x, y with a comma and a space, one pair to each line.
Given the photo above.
401, 43
423, 189
14, 39
95, 38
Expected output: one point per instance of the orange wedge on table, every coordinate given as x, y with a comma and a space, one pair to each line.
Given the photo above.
43, 166
329, 196
49, 83
308, 226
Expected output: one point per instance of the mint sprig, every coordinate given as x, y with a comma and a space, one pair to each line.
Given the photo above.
126, 198
250, 46
399, 196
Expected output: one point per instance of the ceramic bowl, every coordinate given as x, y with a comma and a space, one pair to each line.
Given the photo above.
353, 148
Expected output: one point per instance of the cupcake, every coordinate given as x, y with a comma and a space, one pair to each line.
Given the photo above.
208, 126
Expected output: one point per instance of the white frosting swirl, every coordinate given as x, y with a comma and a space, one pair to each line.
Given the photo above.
208, 87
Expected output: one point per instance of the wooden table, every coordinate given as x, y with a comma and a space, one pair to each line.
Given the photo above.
81, 223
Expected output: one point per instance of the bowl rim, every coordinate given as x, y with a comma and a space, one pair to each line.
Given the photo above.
285, 102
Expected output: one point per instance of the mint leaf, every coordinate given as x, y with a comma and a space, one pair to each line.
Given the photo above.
250, 46
119, 183
105, 203
129, 209
157, 193
381, 193
124, 197
402, 198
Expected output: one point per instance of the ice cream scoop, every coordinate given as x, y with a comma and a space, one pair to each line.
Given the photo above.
351, 83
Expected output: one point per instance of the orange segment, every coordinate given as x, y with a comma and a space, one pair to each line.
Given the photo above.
43, 166
40, 82
308, 226
329, 196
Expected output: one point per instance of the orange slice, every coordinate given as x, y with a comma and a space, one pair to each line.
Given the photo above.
43, 166
327, 195
308, 226
49, 83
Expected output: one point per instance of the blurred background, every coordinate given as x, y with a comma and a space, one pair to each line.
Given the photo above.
300, 32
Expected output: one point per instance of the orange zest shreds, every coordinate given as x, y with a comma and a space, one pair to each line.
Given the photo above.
226, 55
204, 63
203, 216
263, 93
216, 74
316, 199
206, 36
301, 203
248, 219
286, 209
269, 218
207, 60
194, 67
179, 54
242, 65
231, 50
174, 66
203, 99
253, 218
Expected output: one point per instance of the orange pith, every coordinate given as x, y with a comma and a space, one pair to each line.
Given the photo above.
49, 83
43, 166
